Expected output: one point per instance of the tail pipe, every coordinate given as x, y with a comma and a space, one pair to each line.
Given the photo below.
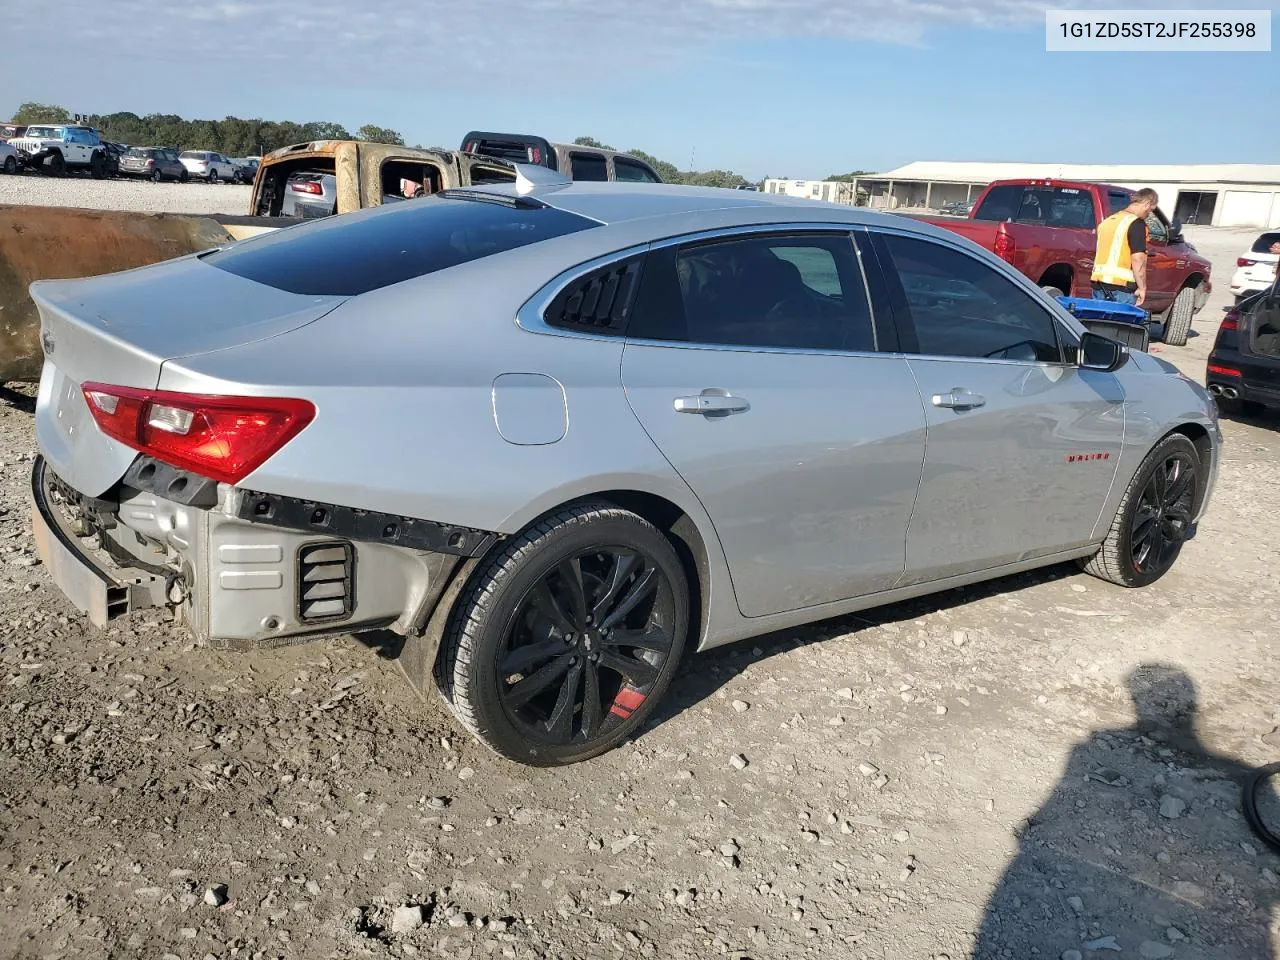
1226, 393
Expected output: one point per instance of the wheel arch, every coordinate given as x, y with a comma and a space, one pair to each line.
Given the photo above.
1060, 275
1200, 439
422, 646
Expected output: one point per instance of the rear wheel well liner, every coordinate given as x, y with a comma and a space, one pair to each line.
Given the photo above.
1059, 275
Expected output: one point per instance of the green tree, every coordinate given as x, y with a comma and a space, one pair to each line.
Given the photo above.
323, 130
849, 177
41, 113
378, 134
592, 142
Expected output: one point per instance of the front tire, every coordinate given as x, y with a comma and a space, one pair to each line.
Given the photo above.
564, 641
1177, 320
10, 165
1154, 518
56, 165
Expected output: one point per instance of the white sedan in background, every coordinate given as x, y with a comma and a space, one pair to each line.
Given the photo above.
1256, 268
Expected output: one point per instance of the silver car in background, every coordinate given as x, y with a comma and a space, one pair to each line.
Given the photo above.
554, 434
310, 195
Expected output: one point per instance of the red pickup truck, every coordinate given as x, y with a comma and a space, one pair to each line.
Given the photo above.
1046, 228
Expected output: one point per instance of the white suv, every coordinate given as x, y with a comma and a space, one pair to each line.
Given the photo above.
58, 148
208, 165
1256, 268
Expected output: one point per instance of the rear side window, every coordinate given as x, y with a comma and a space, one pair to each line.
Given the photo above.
799, 292
358, 252
1264, 242
1116, 201
588, 166
631, 172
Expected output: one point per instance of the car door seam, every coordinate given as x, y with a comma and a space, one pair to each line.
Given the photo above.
924, 459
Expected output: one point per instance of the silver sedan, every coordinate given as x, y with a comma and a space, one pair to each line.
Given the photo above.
556, 434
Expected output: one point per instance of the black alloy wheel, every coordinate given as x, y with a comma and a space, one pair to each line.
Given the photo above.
1162, 518
586, 646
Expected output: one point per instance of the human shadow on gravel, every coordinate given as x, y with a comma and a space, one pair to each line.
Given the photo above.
702, 674
1140, 850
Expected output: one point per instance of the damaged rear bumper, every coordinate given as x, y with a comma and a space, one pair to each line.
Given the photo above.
249, 570
99, 589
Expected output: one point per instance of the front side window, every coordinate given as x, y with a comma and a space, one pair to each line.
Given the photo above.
588, 166
962, 307
1116, 201
801, 292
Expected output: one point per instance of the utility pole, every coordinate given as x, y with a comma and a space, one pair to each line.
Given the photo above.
692, 153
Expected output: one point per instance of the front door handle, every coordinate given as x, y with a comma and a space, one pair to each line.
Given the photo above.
958, 399
712, 403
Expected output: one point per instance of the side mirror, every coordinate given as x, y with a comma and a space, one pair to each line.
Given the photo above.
1175, 231
1101, 353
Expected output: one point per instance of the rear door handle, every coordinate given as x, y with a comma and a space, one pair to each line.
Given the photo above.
958, 399
715, 403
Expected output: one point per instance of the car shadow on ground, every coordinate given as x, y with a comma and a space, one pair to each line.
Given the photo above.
705, 673
1267, 418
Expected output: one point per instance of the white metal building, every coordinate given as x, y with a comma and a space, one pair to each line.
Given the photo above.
832, 191
1221, 194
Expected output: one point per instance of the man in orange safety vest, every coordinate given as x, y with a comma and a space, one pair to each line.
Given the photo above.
1120, 261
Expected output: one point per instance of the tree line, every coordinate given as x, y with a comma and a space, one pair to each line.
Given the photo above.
232, 136
238, 137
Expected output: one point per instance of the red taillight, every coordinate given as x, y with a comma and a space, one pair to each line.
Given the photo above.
223, 438
306, 187
1003, 247
1231, 321
1223, 371
1245, 262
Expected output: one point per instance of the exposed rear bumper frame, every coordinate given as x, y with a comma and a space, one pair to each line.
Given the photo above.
99, 593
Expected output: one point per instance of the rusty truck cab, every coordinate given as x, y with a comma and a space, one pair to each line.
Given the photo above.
366, 173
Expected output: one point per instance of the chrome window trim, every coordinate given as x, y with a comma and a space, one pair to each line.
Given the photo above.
530, 316
1004, 270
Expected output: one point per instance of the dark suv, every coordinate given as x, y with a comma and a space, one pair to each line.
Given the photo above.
1244, 365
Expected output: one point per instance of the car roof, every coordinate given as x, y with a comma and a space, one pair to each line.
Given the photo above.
618, 202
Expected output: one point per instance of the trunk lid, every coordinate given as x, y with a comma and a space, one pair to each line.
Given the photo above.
121, 328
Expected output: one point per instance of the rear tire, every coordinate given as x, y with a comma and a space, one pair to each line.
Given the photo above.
10, 165
1149, 528
1053, 291
156, 175
184, 176
98, 167
1177, 319
536, 662
213, 175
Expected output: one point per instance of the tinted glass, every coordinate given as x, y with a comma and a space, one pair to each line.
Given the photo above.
1051, 206
630, 171
358, 252
797, 292
961, 307
1116, 202
589, 166
1264, 242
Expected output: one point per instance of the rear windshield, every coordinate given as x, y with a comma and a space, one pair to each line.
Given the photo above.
191, 155
140, 152
354, 253
1264, 242
1050, 206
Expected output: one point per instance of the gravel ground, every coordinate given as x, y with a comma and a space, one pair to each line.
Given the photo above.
1042, 767
142, 195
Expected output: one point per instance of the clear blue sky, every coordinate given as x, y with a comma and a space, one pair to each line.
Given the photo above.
799, 88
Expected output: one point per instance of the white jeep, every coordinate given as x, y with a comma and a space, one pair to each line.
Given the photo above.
58, 148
